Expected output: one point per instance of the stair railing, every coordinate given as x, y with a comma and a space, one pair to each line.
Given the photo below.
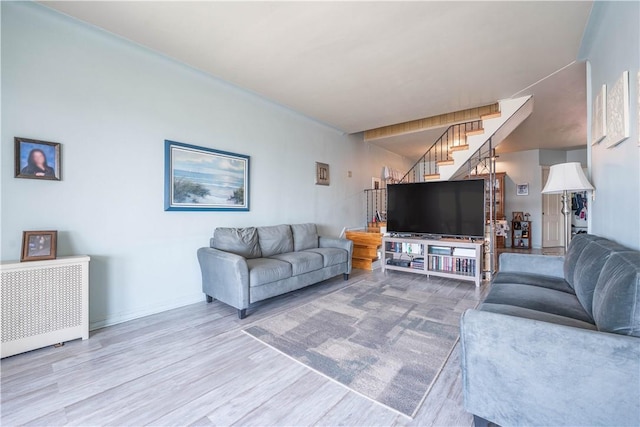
439, 153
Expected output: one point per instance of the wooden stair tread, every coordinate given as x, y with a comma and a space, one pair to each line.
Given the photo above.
491, 116
459, 147
445, 162
365, 248
475, 132
432, 176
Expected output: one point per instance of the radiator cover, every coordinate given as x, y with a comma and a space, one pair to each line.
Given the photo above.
43, 303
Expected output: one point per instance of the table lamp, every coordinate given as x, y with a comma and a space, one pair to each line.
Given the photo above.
566, 178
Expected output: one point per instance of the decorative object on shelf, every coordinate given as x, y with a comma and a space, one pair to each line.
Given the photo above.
618, 111
39, 245
36, 159
322, 174
502, 228
599, 116
521, 237
203, 179
566, 178
518, 216
527, 216
522, 190
376, 183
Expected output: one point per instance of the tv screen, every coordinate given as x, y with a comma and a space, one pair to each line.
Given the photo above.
448, 208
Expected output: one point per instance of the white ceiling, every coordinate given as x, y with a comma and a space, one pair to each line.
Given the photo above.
357, 65
558, 120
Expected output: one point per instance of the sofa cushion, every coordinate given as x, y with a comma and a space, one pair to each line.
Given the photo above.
301, 262
527, 313
239, 241
538, 299
577, 245
589, 267
275, 240
331, 256
616, 301
305, 236
267, 270
549, 282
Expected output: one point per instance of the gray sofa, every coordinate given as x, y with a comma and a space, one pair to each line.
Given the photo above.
557, 340
247, 265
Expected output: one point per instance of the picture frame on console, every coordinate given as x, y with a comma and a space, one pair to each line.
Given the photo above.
35, 159
204, 179
39, 245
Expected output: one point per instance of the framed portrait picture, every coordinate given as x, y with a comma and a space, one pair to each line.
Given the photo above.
322, 174
39, 245
522, 189
203, 179
37, 159
518, 216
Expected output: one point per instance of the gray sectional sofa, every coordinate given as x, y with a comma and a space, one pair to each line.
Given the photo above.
247, 265
557, 340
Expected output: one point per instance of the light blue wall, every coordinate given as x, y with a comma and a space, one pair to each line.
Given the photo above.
112, 104
612, 45
523, 167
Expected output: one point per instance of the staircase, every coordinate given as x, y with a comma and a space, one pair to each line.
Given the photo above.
365, 248
458, 144
459, 150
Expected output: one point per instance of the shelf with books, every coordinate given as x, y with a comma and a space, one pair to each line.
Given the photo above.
460, 259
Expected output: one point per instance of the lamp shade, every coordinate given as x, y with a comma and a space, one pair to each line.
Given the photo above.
566, 177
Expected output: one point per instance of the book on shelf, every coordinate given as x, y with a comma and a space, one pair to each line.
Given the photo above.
464, 266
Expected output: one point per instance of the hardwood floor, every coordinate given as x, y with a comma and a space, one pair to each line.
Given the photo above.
195, 366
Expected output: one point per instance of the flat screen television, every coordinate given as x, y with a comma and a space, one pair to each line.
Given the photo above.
446, 208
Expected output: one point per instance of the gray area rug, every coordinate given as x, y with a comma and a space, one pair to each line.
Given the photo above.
387, 341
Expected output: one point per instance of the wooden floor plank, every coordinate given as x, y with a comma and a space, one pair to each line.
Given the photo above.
194, 366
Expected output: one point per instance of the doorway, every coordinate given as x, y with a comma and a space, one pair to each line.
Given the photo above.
552, 219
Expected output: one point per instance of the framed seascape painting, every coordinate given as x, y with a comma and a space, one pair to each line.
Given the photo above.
37, 159
203, 179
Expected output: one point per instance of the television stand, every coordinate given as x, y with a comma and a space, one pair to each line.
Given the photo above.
451, 258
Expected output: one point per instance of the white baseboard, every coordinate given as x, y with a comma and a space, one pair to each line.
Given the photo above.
136, 314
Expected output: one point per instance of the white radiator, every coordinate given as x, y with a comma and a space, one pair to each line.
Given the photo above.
43, 303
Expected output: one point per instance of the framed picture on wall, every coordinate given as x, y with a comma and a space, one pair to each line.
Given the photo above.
38, 245
618, 111
36, 159
204, 179
522, 189
599, 116
322, 174
376, 183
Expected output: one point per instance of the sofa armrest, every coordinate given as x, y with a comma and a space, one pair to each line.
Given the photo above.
225, 277
536, 264
520, 371
333, 242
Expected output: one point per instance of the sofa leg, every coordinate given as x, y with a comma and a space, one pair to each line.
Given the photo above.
209, 299
481, 422
345, 276
242, 313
